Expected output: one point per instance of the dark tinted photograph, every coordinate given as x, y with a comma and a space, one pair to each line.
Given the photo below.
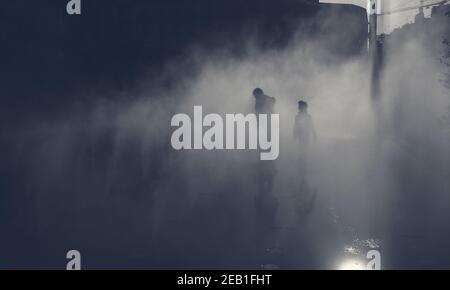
225, 135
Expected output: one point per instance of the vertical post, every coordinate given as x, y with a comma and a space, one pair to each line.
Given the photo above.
375, 47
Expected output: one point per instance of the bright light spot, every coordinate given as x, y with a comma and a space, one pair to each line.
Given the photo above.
352, 264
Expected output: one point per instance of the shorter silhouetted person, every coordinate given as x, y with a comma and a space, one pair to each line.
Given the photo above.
264, 104
305, 139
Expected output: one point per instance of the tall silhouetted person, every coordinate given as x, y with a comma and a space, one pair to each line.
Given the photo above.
265, 104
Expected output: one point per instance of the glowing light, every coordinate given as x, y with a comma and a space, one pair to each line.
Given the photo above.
352, 264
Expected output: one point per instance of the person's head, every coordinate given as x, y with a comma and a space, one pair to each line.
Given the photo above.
302, 106
257, 92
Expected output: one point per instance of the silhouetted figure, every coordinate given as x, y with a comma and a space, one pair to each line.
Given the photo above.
304, 132
305, 138
265, 104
